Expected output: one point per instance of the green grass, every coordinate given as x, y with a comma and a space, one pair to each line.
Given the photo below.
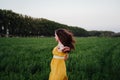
29, 59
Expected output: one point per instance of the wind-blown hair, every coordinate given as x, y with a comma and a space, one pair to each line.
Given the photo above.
66, 38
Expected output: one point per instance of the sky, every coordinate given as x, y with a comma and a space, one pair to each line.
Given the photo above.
102, 15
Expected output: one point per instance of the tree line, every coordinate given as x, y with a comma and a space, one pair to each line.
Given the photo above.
14, 24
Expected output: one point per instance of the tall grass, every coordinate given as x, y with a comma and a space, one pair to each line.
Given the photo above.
29, 59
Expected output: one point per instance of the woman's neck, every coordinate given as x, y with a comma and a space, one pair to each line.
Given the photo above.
60, 46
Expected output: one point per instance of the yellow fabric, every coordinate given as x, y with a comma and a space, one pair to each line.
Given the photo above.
58, 67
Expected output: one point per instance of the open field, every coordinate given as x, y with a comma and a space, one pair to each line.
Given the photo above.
29, 59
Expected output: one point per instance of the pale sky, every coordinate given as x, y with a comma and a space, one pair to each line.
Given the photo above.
87, 14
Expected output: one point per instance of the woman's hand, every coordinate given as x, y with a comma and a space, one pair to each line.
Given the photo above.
66, 56
66, 49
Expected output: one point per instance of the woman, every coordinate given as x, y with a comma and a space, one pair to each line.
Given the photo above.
60, 54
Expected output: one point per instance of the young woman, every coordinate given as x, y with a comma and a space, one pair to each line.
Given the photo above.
60, 54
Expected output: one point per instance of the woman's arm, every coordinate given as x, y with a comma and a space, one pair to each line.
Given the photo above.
66, 49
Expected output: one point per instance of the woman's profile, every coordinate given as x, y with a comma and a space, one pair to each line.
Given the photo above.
60, 54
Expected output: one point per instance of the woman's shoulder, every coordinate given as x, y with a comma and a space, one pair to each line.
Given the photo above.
57, 51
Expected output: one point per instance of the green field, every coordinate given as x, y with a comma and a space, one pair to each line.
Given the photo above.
29, 59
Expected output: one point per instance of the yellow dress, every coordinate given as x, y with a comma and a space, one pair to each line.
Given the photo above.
58, 67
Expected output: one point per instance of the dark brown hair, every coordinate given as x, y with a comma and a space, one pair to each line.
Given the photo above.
66, 38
